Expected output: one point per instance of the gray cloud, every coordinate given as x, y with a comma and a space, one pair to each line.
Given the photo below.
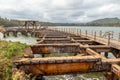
59, 10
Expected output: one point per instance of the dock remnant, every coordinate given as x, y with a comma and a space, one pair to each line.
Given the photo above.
91, 53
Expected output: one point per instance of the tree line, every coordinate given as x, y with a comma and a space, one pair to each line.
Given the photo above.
11, 23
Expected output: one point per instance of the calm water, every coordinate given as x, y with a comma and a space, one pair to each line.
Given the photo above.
87, 76
91, 29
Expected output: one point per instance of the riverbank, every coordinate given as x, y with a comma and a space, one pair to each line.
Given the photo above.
9, 51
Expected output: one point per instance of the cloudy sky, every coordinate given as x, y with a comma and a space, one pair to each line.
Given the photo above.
60, 10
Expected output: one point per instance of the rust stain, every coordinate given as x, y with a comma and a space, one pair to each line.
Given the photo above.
49, 69
42, 50
45, 50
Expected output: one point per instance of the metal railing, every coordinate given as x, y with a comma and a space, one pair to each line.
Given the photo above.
109, 35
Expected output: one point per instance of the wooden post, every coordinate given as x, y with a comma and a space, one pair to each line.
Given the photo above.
63, 29
42, 55
114, 77
86, 33
15, 33
80, 32
26, 24
108, 39
106, 54
95, 35
77, 32
58, 29
66, 30
112, 35
92, 32
72, 31
8, 33
4, 34
119, 37
69, 30
108, 75
100, 33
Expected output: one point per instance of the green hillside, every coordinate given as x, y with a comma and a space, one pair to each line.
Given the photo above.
99, 22
105, 22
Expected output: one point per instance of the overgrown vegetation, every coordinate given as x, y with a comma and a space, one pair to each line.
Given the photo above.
9, 51
8, 23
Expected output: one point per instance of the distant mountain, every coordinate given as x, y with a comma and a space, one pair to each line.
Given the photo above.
105, 22
99, 22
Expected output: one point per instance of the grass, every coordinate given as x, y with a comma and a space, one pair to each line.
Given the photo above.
9, 51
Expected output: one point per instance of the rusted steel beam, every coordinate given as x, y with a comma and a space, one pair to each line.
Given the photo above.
79, 38
74, 36
57, 65
70, 59
56, 45
100, 48
92, 52
56, 69
85, 41
96, 46
117, 60
62, 65
54, 39
62, 49
53, 36
54, 49
116, 69
41, 40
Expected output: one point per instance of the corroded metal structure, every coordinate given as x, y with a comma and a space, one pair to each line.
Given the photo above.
86, 57
31, 27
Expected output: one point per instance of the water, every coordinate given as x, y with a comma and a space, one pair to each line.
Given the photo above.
87, 76
21, 38
92, 29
